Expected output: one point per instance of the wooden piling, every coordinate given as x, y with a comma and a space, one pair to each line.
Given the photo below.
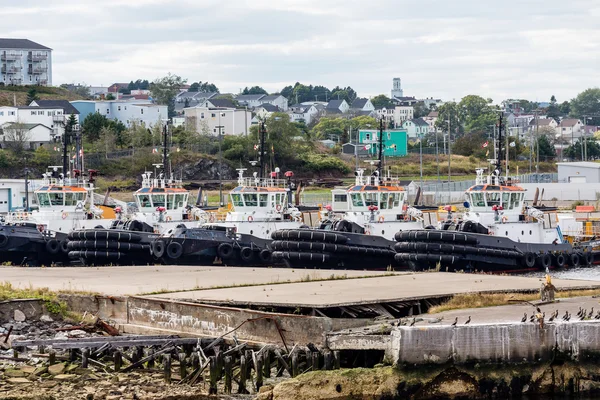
214, 374
228, 374
182, 366
336, 359
41, 349
315, 361
72, 355
85, 355
51, 357
150, 363
195, 361
243, 375
295, 364
328, 360
267, 362
258, 367
118, 360
167, 367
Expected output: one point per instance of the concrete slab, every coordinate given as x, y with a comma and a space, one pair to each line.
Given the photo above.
147, 279
372, 290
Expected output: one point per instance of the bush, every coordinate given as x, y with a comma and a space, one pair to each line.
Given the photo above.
322, 162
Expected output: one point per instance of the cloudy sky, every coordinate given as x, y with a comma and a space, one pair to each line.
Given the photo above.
528, 49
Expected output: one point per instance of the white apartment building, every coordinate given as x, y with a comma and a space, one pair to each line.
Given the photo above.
403, 113
128, 112
23, 62
207, 120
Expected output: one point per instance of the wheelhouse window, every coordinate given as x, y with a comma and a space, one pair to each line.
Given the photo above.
383, 201
357, 200
144, 201
57, 199
180, 200
263, 200
71, 199
477, 200
506, 203
371, 199
237, 201
43, 200
251, 199
158, 200
170, 202
493, 199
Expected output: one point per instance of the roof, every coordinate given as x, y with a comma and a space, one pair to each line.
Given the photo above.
37, 108
68, 107
433, 114
6, 43
249, 97
270, 97
359, 103
269, 107
27, 126
225, 103
541, 121
334, 104
488, 188
419, 121
333, 111
580, 164
568, 122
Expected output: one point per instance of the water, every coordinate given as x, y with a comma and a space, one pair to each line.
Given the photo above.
588, 273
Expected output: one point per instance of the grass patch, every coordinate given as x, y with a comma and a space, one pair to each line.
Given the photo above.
52, 303
480, 300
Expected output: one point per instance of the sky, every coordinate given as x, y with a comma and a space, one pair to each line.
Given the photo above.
529, 49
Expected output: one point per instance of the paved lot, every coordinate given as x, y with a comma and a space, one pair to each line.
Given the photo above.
514, 313
369, 290
147, 279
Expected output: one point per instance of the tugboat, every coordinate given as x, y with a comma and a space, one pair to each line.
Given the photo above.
499, 232
22, 243
259, 206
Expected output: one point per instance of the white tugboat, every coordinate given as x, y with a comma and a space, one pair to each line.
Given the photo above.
498, 232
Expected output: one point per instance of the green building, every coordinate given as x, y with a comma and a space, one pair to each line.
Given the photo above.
395, 142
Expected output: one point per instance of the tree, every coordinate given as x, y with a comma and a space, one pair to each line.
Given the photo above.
32, 96
574, 151
565, 108
82, 90
527, 106
16, 137
420, 110
321, 93
346, 93
449, 111
329, 128
254, 90
381, 101
121, 136
164, 90
110, 96
476, 113
471, 144
194, 87
302, 93
279, 143
545, 148
92, 125
587, 103
552, 111
288, 92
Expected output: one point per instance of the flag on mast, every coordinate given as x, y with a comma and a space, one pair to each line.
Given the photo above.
485, 145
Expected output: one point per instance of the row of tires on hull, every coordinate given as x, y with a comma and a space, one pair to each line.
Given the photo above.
455, 248
317, 247
106, 245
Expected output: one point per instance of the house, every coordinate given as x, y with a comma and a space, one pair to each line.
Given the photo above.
540, 122
404, 101
303, 113
250, 100
416, 128
67, 107
431, 119
24, 62
264, 111
403, 113
276, 100
53, 117
128, 112
387, 114
115, 87
430, 101
337, 107
578, 172
30, 135
191, 99
395, 142
217, 103
215, 120
569, 129
362, 105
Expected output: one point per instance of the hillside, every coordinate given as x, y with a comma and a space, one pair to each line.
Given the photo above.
8, 93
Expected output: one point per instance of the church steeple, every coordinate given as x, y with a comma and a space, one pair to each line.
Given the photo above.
397, 88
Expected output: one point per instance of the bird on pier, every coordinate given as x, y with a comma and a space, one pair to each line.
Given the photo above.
568, 317
414, 321
553, 316
532, 318
468, 320
580, 312
455, 321
564, 318
591, 313
524, 319
597, 316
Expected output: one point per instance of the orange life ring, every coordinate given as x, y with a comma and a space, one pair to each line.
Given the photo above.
65, 215
381, 218
407, 217
250, 218
504, 219
278, 207
169, 218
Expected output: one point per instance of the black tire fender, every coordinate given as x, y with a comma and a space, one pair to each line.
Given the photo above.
158, 248
225, 250
265, 255
529, 260
247, 254
3, 240
52, 246
560, 260
174, 250
574, 260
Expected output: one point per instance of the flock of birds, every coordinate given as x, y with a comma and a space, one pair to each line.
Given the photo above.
582, 314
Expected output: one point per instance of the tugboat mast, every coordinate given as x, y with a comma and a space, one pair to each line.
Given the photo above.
499, 156
261, 132
165, 154
380, 167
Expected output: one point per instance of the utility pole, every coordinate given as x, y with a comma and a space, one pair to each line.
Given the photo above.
220, 162
449, 157
380, 168
437, 161
262, 130
421, 162
165, 154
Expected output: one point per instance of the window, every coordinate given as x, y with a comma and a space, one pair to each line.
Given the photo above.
144, 201
57, 199
158, 200
263, 200
202, 115
236, 199
1, 113
213, 115
170, 202
477, 200
179, 200
108, 111
251, 199
340, 198
142, 110
43, 200
367, 136
71, 199
119, 108
493, 199
33, 112
383, 201
371, 199
11, 113
506, 201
